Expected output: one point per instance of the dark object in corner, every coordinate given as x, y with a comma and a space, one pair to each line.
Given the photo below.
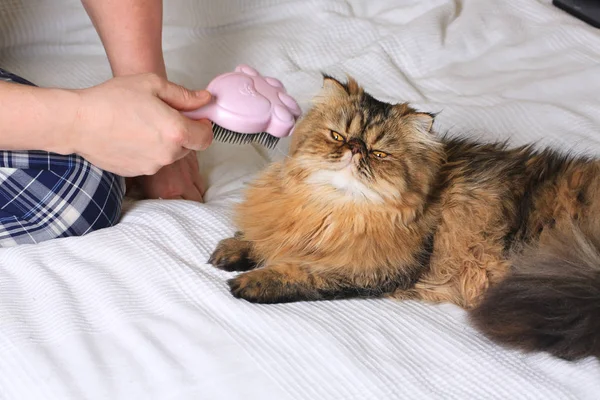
586, 10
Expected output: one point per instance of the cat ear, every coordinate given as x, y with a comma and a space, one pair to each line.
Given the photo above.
422, 122
352, 87
332, 88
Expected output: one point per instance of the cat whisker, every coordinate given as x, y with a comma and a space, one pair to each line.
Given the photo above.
281, 152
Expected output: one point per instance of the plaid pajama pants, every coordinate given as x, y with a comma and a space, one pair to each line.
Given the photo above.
46, 195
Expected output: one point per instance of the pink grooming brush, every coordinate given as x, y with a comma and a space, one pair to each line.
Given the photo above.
247, 107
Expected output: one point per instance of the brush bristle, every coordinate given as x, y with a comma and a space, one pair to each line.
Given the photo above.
227, 136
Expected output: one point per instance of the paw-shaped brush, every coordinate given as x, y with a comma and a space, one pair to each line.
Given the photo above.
248, 107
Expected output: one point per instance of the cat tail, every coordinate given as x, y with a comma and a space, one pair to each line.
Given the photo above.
550, 301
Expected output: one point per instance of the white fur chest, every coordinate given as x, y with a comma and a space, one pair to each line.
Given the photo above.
345, 183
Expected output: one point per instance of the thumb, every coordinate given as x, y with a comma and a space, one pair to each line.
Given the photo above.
181, 98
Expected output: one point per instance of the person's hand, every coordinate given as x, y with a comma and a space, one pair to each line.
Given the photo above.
180, 180
132, 126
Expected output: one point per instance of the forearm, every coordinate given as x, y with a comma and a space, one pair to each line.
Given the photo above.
131, 32
33, 118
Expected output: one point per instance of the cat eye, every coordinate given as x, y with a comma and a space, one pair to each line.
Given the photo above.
337, 137
379, 154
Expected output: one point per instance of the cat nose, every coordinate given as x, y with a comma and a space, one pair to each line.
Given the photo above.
356, 146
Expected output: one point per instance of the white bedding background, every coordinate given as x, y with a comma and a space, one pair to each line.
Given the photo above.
134, 312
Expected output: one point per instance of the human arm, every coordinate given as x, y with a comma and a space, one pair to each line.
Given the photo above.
128, 125
131, 32
33, 118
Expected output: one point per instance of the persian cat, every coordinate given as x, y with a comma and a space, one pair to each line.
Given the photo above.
371, 202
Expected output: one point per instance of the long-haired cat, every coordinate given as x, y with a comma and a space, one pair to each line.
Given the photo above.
372, 203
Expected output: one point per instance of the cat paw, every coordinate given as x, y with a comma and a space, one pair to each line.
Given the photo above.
267, 287
232, 254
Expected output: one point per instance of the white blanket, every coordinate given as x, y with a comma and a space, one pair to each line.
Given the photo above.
134, 312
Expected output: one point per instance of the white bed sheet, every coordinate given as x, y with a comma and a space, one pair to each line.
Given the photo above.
134, 312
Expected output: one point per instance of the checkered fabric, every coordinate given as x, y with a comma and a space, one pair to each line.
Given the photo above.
46, 195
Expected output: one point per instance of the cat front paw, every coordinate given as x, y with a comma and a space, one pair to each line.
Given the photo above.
267, 287
232, 254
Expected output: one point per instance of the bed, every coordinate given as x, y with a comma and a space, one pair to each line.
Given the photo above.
134, 312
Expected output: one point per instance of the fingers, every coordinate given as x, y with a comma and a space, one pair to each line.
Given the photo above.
199, 134
182, 153
192, 193
192, 190
180, 180
190, 134
197, 178
180, 98
139, 115
200, 185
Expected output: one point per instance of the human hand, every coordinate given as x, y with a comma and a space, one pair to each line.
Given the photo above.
180, 180
132, 126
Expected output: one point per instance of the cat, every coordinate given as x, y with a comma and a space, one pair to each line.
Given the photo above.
371, 202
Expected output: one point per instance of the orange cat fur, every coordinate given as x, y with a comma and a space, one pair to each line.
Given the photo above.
371, 202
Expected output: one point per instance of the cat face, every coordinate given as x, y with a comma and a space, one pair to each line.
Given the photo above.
366, 149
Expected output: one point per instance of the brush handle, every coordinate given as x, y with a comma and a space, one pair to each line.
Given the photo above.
246, 102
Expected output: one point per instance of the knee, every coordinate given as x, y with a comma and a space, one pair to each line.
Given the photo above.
43, 204
106, 201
